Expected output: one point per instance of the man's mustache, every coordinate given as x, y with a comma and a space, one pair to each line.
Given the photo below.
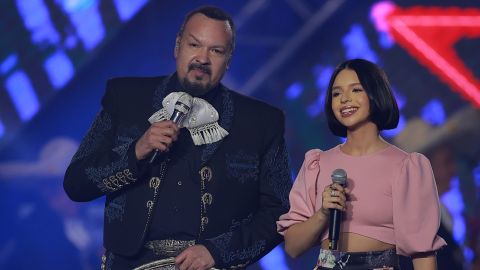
201, 67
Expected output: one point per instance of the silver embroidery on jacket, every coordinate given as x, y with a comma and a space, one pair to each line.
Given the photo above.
95, 135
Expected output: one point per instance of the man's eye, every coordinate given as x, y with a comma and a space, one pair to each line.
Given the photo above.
218, 51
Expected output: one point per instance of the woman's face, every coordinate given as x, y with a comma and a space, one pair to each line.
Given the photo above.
350, 103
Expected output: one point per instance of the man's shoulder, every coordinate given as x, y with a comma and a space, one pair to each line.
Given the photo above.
253, 104
132, 89
128, 82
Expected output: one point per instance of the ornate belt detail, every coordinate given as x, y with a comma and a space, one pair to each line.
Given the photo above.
164, 264
169, 247
166, 248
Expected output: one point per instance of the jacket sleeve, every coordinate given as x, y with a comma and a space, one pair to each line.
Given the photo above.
250, 241
104, 162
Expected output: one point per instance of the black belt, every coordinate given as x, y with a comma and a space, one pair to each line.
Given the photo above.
331, 259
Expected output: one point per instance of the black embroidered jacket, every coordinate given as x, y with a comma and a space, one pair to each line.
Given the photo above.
246, 175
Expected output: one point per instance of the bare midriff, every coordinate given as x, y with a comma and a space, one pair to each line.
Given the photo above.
352, 242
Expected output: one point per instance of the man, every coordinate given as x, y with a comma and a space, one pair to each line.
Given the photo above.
212, 194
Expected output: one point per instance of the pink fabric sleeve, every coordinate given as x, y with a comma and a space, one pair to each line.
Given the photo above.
302, 195
416, 209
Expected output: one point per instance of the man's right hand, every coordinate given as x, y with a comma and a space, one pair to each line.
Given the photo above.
159, 135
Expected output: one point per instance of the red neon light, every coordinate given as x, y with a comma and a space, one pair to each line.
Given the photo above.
429, 34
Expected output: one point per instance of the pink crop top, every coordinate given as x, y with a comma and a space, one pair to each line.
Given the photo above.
393, 197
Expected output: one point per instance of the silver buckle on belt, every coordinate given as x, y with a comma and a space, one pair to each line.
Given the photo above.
164, 264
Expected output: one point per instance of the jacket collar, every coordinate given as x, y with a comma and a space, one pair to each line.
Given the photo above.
225, 121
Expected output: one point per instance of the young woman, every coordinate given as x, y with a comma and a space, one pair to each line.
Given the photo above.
390, 202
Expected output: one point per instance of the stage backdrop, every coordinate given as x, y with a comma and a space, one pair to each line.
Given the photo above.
55, 57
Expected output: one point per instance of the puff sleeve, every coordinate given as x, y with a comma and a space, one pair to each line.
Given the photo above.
302, 196
416, 209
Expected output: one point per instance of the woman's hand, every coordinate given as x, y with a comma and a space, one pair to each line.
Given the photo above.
334, 196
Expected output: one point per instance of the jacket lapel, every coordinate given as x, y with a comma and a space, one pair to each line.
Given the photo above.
225, 121
159, 93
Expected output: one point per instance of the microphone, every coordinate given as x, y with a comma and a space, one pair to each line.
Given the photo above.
339, 176
181, 109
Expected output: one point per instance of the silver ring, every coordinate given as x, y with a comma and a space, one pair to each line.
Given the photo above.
332, 193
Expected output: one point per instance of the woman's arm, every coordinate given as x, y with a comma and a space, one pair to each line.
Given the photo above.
426, 261
301, 236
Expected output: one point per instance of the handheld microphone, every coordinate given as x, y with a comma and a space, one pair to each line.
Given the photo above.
339, 176
181, 109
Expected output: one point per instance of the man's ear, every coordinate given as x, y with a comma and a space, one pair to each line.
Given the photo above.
229, 60
177, 46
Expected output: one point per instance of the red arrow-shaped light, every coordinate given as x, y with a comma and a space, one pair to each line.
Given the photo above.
429, 34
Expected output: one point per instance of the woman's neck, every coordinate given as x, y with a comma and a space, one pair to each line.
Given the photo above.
364, 140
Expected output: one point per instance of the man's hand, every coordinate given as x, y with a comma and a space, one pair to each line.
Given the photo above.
196, 257
159, 135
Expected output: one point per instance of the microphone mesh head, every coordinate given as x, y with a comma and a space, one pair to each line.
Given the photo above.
184, 103
339, 176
